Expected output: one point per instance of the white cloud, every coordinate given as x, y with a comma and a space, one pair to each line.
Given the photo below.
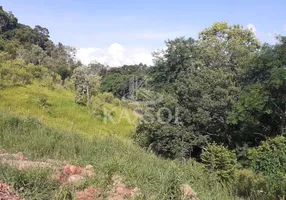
115, 55
269, 37
284, 27
145, 58
252, 28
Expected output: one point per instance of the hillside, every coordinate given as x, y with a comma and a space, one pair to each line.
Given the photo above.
109, 156
205, 121
57, 108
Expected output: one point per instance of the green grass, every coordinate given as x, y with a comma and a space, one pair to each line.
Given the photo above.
57, 108
157, 178
53, 126
32, 184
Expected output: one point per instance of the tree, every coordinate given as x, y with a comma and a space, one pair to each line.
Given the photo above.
260, 110
206, 97
36, 55
225, 46
98, 68
8, 20
123, 81
169, 63
86, 83
41, 35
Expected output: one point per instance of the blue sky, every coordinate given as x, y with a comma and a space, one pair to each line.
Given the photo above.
124, 32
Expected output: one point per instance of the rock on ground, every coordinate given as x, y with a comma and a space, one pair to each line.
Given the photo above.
72, 174
118, 191
6, 193
188, 192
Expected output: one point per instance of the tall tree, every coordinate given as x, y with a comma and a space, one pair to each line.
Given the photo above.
225, 46
169, 63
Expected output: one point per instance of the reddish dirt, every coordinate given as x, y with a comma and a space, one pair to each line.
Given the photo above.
72, 174
90, 193
6, 193
118, 191
21, 162
188, 193
67, 174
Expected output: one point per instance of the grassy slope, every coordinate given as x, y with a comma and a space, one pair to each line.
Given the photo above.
157, 178
63, 112
52, 135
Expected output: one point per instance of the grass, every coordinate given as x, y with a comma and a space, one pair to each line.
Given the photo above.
56, 108
55, 127
32, 184
157, 178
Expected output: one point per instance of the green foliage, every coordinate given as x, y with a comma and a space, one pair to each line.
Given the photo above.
222, 87
106, 97
34, 46
220, 160
168, 141
232, 47
260, 109
96, 106
31, 184
64, 113
43, 101
8, 20
124, 81
16, 73
169, 64
270, 159
117, 85
149, 173
86, 83
206, 97
247, 184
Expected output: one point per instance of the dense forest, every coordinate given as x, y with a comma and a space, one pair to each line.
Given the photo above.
218, 100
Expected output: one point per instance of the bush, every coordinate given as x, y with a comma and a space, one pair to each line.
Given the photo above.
220, 160
270, 159
249, 184
43, 101
167, 140
96, 106
106, 97
116, 84
86, 84
14, 73
116, 102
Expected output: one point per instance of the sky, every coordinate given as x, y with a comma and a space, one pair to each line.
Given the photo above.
118, 32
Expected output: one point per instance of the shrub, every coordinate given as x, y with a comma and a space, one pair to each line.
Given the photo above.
106, 97
86, 84
96, 106
116, 102
14, 73
43, 101
249, 184
167, 140
270, 159
219, 160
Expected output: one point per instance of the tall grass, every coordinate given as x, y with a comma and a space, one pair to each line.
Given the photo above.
157, 178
